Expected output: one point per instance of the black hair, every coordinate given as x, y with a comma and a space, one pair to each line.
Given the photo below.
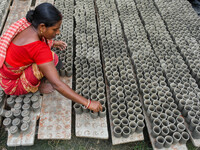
44, 13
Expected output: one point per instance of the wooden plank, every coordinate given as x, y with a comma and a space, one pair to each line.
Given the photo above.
55, 118
29, 137
132, 137
152, 139
42, 1
26, 138
2, 106
5, 15
18, 10
91, 128
196, 142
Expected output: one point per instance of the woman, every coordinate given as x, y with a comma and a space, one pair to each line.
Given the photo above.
26, 58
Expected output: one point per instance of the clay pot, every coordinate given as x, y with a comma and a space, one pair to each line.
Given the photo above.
14, 130
17, 113
184, 137
176, 137
124, 122
16, 122
126, 131
93, 114
132, 126
18, 106
18, 100
196, 132
36, 106
24, 127
27, 100
7, 122
78, 108
103, 112
159, 143
140, 126
168, 141
11, 102
156, 131
117, 131
34, 98
116, 122
9, 114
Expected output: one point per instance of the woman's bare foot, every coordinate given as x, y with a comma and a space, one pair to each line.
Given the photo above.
46, 88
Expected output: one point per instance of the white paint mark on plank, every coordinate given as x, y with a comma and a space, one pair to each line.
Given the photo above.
55, 118
91, 128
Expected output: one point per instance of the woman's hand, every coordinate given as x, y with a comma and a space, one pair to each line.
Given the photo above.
60, 44
95, 106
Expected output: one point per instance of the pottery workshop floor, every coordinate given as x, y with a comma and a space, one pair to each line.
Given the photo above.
114, 26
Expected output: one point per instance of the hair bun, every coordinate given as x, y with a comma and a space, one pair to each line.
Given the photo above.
29, 15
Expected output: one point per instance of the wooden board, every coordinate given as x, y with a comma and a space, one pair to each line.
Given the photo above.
26, 138
152, 139
2, 106
55, 118
115, 141
42, 1
91, 128
5, 15
196, 142
18, 10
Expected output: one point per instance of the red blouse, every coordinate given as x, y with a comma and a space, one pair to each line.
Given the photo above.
36, 52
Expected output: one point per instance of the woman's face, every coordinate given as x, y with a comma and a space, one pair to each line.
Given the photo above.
51, 32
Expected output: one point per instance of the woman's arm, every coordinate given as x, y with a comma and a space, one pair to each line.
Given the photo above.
50, 72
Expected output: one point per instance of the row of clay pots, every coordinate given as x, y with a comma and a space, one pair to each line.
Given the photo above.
66, 35
123, 90
176, 11
186, 93
188, 45
79, 109
167, 141
89, 74
165, 63
152, 87
24, 103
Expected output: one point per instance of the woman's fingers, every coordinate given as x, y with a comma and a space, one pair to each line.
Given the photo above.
60, 44
96, 106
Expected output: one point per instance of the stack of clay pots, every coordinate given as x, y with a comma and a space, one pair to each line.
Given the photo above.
182, 83
89, 74
125, 106
18, 116
67, 8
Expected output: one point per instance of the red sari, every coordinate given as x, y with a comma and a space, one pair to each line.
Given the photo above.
23, 79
